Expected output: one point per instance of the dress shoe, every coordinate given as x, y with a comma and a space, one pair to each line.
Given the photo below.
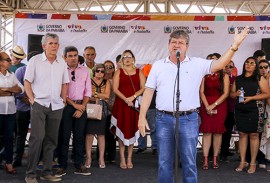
16, 164
140, 151
154, 151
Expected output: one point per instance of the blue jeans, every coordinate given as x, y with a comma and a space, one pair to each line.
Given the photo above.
151, 119
188, 138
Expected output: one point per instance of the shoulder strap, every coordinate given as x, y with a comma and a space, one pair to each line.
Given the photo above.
131, 80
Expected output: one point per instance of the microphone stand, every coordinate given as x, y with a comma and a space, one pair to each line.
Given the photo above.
177, 116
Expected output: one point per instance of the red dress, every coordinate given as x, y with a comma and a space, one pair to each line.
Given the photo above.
213, 123
124, 122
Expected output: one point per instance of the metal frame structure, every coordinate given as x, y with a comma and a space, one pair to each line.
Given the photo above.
129, 7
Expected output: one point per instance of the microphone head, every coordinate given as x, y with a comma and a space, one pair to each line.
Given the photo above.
178, 53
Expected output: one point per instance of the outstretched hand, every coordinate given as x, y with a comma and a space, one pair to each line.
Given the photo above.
239, 37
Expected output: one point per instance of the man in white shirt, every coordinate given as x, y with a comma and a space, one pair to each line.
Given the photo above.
162, 78
45, 85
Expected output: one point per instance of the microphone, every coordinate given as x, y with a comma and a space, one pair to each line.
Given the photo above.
178, 54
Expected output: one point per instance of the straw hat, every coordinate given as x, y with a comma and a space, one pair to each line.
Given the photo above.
18, 52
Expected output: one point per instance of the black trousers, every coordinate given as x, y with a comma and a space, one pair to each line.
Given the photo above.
226, 137
77, 126
110, 143
22, 124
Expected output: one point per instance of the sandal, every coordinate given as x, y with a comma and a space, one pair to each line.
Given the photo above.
123, 164
129, 164
241, 166
252, 168
88, 165
205, 163
102, 165
9, 169
215, 163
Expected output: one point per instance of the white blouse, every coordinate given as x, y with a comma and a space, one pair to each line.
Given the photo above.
7, 103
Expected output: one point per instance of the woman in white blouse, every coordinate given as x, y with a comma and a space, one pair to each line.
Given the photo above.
9, 85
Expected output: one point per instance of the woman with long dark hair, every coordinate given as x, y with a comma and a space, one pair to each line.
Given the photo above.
213, 91
249, 113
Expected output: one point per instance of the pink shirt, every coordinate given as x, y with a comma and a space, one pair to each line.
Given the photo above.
81, 86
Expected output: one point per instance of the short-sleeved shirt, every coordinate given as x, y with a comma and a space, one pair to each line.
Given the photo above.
7, 103
47, 79
13, 68
162, 77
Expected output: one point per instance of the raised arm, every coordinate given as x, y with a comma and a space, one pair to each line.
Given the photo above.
227, 56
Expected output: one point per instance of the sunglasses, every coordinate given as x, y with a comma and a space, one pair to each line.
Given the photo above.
109, 67
73, 75
7, 59
102, 71
264, 67
229, 66
125, 57
250, 63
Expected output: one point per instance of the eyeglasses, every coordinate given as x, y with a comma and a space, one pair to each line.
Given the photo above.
109, 67
19, 59
250, 63
264, 67
7, 59
229, 66
102, 71
73, 75
125, 57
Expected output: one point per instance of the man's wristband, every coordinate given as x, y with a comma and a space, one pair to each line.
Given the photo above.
134, 96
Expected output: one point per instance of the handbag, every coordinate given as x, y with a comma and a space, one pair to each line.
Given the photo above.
137, 101
94, 111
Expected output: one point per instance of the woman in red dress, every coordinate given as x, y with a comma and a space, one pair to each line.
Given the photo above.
214, 90
128, 84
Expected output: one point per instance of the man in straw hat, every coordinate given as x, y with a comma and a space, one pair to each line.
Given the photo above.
17, 55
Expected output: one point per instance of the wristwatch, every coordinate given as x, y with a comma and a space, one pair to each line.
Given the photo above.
216, 103
233, 49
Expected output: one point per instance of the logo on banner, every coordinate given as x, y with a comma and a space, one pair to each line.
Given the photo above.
170, 29
203, 30
104, 29
50, 28
139, 29
231, 30
75, 28
265, 29
113, 29
40, 28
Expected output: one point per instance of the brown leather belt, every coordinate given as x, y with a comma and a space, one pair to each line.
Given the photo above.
181, 113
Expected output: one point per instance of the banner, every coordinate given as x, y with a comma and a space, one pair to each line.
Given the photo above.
146, 36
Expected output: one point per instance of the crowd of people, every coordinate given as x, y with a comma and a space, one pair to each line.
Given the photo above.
53, 92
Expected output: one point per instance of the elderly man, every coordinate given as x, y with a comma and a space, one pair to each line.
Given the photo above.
89, 57
162, 78
74, 115
45, 85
